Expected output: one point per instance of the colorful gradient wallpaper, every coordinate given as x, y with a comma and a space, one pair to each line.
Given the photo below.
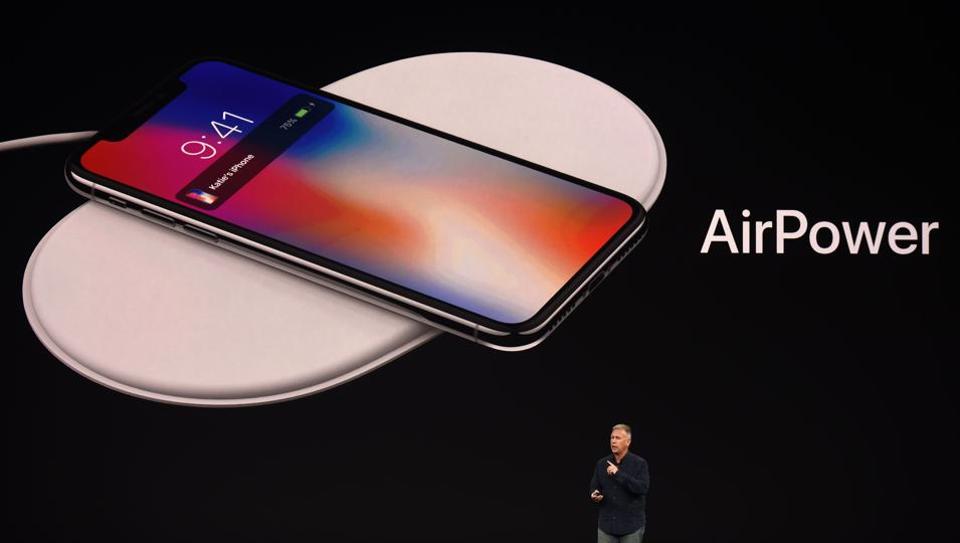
468, 228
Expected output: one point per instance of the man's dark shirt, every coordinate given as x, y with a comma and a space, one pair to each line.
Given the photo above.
623, 508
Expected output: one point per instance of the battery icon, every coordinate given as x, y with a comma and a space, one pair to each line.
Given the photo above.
303, 111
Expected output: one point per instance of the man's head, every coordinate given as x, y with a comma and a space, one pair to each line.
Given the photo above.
620, 439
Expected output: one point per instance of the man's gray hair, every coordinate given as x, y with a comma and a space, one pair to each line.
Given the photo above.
624, 427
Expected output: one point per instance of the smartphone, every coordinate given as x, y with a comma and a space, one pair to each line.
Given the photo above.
468, 239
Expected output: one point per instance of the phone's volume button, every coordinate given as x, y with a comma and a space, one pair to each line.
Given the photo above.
200, 232
116, 201
158, 217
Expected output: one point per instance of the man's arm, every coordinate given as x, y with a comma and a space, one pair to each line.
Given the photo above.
595, 487
636, 484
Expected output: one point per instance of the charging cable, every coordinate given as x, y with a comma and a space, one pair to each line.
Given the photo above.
48, 139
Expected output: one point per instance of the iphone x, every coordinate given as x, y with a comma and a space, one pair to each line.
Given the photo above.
466, 238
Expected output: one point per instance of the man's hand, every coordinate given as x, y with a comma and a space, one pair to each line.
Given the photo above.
596, 496
611, 468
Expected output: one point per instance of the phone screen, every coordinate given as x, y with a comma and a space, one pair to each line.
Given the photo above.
469, 228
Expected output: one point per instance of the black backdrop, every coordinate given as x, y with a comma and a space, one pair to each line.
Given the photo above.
776, 397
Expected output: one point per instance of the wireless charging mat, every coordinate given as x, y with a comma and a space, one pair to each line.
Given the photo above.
154, 313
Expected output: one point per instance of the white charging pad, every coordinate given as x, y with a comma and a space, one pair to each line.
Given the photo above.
156, 314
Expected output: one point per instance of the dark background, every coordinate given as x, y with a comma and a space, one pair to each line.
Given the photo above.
776, 397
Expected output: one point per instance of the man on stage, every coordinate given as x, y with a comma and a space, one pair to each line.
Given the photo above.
619, 485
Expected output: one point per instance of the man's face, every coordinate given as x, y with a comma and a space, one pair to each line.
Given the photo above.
619, 442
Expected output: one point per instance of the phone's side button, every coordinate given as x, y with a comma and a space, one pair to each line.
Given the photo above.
116, 201
601, 275
200, 233
162, 219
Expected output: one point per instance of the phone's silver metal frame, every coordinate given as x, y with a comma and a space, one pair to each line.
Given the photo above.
292, 264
